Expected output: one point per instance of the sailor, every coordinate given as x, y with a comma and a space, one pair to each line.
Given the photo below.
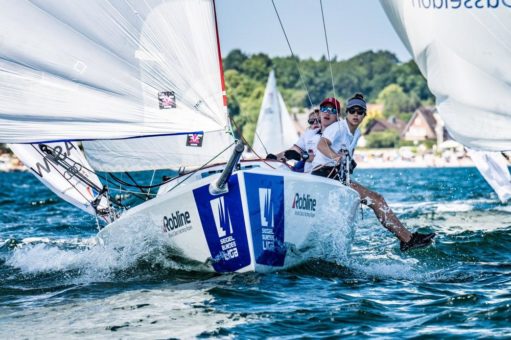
304, 150
338, 140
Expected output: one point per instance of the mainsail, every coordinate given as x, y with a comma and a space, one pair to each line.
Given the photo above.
100, 70
463, 48
275, 131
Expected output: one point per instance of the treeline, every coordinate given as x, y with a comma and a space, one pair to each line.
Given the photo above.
379, 75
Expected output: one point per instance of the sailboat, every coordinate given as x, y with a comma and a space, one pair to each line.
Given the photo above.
275, 130
140, 84
463, 50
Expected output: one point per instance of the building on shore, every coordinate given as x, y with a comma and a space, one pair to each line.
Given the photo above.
425, 124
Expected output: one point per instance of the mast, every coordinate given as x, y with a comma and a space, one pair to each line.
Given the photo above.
220, 64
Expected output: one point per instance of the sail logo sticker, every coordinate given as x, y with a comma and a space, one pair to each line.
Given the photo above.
167, 100
194, 139
54, 156
457, 4
224, 228
304, 205
223, 223
265, 198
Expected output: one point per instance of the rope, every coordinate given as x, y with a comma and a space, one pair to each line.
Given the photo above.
245, 141
60, 173
292, 53
151, 183
327, 48
202, 167
241, 134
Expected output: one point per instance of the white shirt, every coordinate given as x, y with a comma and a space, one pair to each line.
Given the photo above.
340, 137
308, 142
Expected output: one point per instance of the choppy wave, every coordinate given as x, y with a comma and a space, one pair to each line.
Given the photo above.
56, 278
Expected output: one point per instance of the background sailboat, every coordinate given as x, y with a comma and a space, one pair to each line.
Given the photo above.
275, 130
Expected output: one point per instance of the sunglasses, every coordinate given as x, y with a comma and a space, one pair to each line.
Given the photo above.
359, 112
331, 110
314, 121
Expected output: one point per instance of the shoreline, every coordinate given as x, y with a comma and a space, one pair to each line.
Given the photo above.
365, 160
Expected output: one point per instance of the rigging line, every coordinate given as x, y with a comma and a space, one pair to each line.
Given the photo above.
327, 48
330, 62
245, 141
292, 54
63, 163
135, 182
202, 166
57, 170
152, 179
120, 181
239, 130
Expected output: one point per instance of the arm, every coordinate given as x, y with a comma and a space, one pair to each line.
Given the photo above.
324, 146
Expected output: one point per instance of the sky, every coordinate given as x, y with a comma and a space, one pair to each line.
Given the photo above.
352, 26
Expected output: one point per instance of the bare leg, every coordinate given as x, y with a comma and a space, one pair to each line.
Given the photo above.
382, 211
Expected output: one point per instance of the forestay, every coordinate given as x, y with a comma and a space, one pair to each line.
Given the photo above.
275, 131
96, 69
463, 48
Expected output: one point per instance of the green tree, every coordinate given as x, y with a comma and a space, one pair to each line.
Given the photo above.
257, 67
234, 60
377, 74
394, 100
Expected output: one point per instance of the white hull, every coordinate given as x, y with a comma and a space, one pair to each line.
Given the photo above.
268, 220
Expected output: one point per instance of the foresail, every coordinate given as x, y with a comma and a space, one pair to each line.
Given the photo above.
193, 149
463, 49
275, 131
62, 168
80, 70
289, 133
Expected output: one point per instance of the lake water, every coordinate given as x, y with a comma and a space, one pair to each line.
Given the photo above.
56, 282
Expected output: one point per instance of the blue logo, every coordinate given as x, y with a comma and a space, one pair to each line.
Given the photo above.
224, 226
457, 4
265, 197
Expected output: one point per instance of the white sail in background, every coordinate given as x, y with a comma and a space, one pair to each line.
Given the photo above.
81, 70
463, 48
275, 131
64, 180
494, 168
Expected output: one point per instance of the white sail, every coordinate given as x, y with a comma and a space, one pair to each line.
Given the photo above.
275, 131
463, 48
193, 149
78, 70
65, 176
494, 168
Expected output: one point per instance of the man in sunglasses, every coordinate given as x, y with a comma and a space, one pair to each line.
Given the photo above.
340, 138
304, 149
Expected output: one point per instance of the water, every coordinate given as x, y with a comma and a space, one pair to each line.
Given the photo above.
56, 282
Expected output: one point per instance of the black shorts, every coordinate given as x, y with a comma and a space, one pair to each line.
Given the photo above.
326, 171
